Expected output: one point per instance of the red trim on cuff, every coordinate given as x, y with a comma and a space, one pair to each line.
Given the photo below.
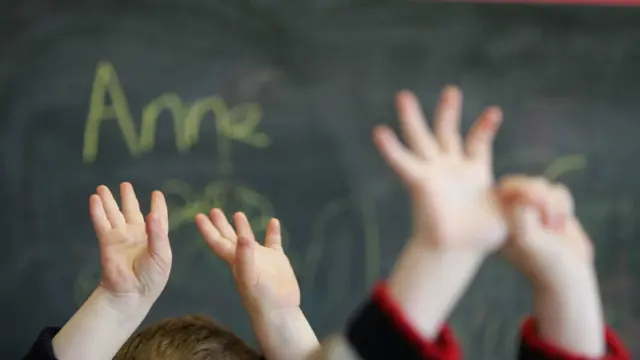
530, 337
445, 346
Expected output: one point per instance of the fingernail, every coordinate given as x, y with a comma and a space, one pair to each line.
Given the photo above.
380, 130
451, 89
450, 93
491, 120
446, 96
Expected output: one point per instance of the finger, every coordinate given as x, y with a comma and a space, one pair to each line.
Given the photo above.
515, 190
245, 265
510, 201
99, 218
222, 224
130, 205
396, 155
110, 206
510, 188
207, 229
159, 208
447, 122
510, 181
243, 228
414, 126
530, 191
522, 186
564, 200
526, 219
543, 190
158, 241
221, 246
479, 142
274, 237
561, 207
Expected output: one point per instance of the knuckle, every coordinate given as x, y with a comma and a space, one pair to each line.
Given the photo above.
540, 182
511, 180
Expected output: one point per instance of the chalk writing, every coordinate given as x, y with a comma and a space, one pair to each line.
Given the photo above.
319, 229
106, 81
565, 165
214, 196
238, 123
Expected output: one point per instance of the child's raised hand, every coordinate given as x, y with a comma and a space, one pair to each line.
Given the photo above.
264, 276
136, 262
135, 253
266, 282
547, 241
450, 181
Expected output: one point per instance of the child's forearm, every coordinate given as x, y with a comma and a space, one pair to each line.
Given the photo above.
100, 327
285, 334
379, 330
427, 284
569, 315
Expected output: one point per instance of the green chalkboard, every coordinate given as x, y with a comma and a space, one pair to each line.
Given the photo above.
267, 106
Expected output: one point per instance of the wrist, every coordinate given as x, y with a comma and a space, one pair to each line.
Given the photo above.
569, 315
418, 262
564, 280
284, 333
276, 317
101, 326
121, 305
565, 296
427, 283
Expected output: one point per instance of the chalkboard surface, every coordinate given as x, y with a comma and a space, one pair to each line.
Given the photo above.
267, 106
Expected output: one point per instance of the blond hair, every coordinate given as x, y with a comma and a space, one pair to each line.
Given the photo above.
193, 337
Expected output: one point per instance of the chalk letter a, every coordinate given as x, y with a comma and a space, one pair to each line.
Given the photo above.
106, 80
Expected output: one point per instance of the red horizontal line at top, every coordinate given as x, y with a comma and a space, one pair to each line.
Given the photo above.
557, 2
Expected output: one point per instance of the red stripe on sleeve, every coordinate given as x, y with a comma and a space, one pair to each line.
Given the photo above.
445, 347
542, 349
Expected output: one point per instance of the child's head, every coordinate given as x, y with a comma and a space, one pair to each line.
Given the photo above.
193, 337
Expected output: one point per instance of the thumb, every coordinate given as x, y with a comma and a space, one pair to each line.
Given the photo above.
245, 265
158, 241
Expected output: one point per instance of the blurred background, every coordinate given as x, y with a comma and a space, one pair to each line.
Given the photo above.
266, 106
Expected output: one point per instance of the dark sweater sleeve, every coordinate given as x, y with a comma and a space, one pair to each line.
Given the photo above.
42, 348
533, 347
380, 330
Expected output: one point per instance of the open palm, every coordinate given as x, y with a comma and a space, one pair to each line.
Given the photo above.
450, 182
135, 254
263, 273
